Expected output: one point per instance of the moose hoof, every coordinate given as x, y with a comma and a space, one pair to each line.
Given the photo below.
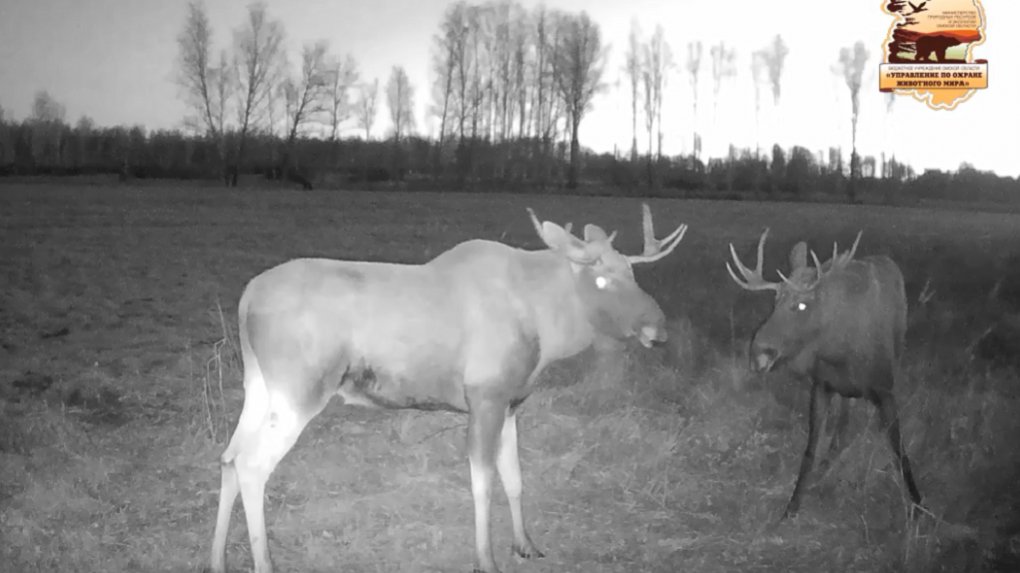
527, 552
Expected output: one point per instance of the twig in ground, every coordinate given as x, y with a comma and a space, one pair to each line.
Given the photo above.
440, 431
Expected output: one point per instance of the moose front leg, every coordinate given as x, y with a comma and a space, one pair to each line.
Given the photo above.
485, 424
509, 465
818, 413
838, 442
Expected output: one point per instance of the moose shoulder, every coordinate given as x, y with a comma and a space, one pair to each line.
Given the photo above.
840, 324
469, 331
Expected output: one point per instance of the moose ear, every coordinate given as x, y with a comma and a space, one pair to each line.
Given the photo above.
798, 256
593, 233
555, 237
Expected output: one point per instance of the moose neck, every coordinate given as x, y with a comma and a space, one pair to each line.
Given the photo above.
560, 317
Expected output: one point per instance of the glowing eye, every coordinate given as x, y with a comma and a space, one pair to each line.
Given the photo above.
601, 282
801, 306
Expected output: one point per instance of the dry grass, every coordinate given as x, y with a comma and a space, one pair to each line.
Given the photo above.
120, 382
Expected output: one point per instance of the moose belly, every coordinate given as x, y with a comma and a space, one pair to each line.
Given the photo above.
424, 389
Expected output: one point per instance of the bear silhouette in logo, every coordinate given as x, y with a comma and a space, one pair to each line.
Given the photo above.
935, 44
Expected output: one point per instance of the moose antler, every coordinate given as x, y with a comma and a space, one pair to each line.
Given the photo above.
753, 280
838, 260
656, 249
538, 224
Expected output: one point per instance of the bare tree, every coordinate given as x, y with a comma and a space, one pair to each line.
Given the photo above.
523, 38
694, 54
658, 61
85, 125
447, 55
45, 109
851, 67
474, 100
224, 84
47, 121
272, 115
504, 22
579, 60
462, 18
400, 100
84, 130
207, 87
305, 96
542, 77
775, 56
500, 58
723, 67
259, 50
341, 75
632, 67
367, 107
195, 71
890, 99
546, 109
758, 65
649, 91
6, 147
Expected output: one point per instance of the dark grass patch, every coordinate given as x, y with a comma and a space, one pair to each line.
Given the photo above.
654, 460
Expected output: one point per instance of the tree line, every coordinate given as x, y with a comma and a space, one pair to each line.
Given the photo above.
510, 89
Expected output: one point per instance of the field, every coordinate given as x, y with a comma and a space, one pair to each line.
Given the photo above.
120, 383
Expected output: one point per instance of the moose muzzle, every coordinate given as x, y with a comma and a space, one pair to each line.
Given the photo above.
651, 334
763, 357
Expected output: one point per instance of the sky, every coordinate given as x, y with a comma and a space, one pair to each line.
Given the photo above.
113, 60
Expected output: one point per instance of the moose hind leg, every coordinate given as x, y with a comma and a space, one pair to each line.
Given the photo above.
890, 421
818, 413
254, 465
509, 465
256, 403
230, 487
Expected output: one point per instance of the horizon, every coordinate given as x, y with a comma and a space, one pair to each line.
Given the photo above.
119, 70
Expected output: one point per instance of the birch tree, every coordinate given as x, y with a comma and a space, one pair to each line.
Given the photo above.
195, 70
579, 60
694, 54
758, 65
447, 58
305, 96
341, 75
850, 66
632, 67
367, 107
400, 100
658, 61
207, 86
775, 57
258, 52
